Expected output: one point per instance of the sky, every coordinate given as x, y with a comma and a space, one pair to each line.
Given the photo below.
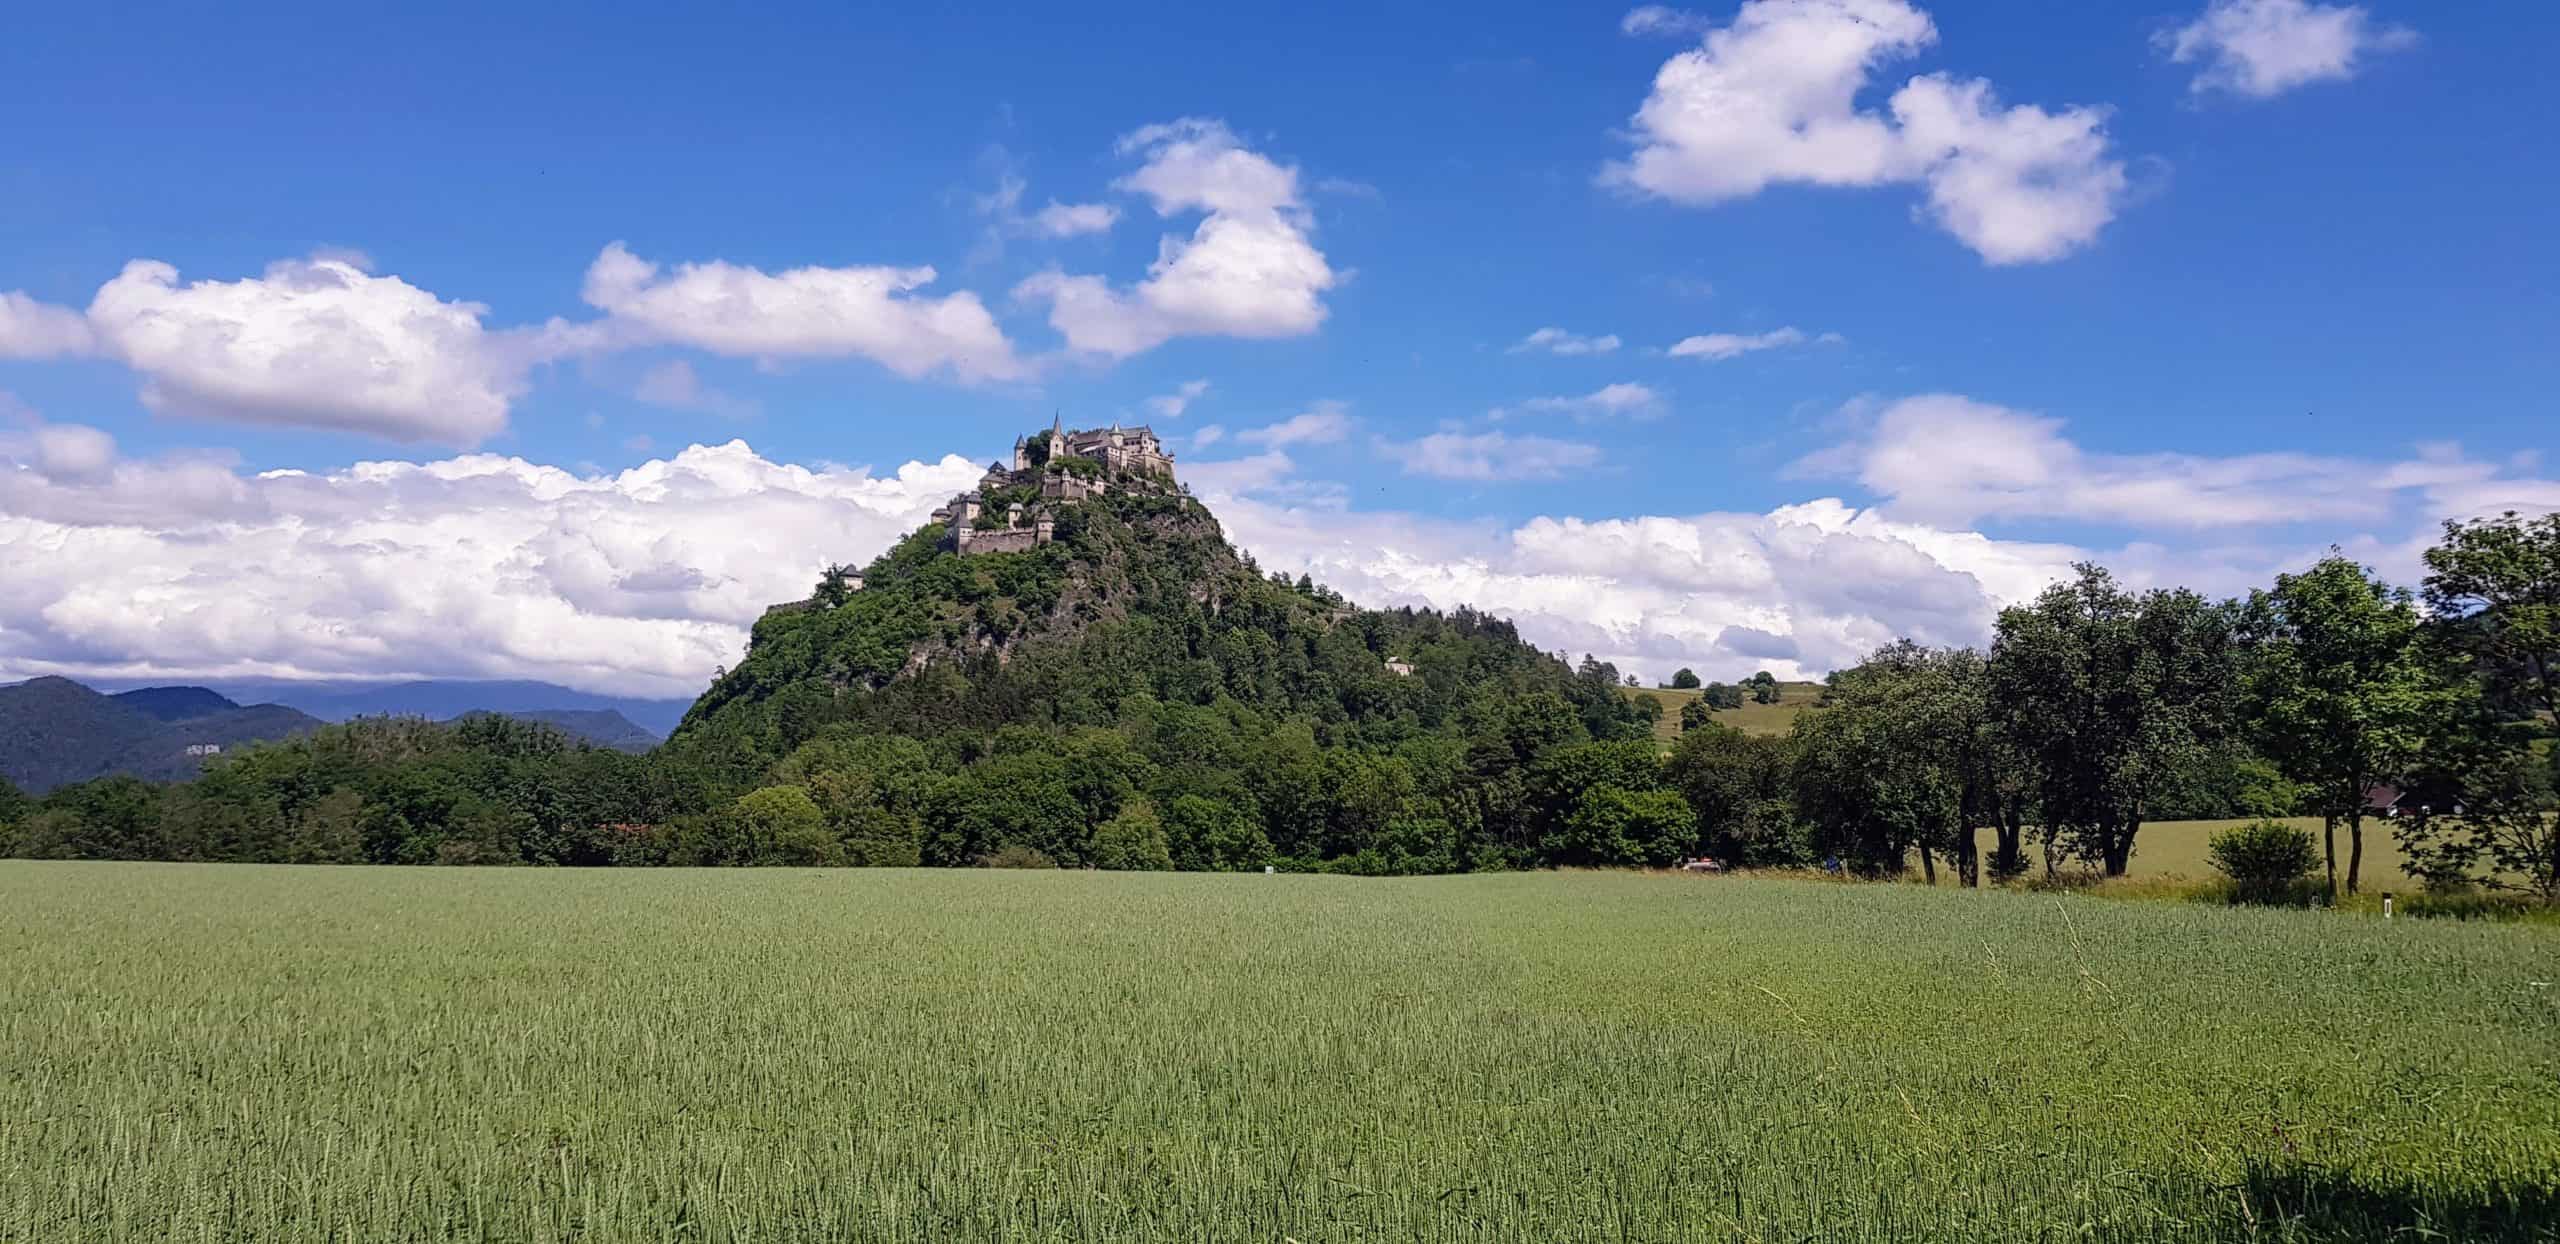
486, 343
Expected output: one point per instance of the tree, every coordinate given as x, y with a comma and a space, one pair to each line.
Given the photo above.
1612, 825
835, 586
1696, 714
1739, 786
2493, 588
2339, 693
1764, 688
1132, 841
1685, 680
1883, 770
1721, 695
2264, 859
2102, 695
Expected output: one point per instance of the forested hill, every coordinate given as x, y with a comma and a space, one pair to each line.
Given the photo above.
1138, 680
1139, 603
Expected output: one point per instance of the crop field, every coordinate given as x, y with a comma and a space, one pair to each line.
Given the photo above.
308, 1054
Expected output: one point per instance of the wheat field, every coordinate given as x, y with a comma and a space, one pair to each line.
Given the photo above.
309, 1054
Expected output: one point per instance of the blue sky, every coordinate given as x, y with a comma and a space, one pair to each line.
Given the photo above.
2301, 247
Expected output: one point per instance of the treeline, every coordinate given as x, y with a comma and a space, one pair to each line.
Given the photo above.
1256, 723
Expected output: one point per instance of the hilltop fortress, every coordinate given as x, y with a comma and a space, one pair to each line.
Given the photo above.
1061, 466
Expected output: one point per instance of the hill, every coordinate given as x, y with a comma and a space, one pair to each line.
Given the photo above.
602, 727
444, 700
54, 732
175, 703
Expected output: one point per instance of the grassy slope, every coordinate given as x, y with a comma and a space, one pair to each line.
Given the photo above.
305, 1053
1778, 718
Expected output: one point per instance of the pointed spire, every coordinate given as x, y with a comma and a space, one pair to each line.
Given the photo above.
1058, 423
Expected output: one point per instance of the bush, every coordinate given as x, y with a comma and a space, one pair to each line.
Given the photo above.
2267, 861
1016, 855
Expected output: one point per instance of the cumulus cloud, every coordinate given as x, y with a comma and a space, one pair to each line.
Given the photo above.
2263, 48
812, 312
1949, 459
1248, 270
30, 329
1772, 99
1624, 399
314, 343
1488, 456
1171, 405
1558, 341
478, 566
1323, 424
1799, 590
1716, 347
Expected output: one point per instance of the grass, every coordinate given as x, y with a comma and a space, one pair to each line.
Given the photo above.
292, 1054
1751, 718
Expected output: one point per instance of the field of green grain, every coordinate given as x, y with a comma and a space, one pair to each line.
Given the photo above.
308, 1054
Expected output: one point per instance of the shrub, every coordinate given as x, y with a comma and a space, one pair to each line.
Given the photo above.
1016, 855
2267, 861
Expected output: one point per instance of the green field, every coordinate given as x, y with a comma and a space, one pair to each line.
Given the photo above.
2177, 849
289, 1054
1751, 718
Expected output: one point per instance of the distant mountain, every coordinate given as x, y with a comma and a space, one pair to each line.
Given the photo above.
443, 701
53, 732
175, 703
602, 727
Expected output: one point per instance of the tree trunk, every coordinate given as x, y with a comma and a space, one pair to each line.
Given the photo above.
2119, 850
1968, 860
2355, 848
2329, 850
2009, 857
1928, 865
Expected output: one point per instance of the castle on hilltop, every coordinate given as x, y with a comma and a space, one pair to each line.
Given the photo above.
1061, 466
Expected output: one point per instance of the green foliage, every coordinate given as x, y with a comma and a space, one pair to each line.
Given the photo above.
1133, 841
1685, 680
2341, 696
2266, 860
2105, 697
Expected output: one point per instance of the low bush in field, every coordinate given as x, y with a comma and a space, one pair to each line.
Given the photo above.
2267, 861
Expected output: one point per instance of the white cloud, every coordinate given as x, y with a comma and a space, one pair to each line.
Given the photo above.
1717, 347
1248, 270
478, 566
1324, 424
1558, 341
1171, 405
1489, 456
1623, 399
810, 312
1657, 19
1208, 434
314, 343
1067, 220
1773, 99
2263, 48
1947, 459
34, 330
675, 385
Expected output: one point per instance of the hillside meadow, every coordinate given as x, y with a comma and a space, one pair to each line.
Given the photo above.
302, 1053
1751, 718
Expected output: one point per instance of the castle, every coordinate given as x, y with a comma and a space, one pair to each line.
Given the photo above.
1127, 457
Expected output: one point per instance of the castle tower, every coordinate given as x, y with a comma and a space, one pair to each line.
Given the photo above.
1047, 528
1057, 436
1013, 516
1021, 455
